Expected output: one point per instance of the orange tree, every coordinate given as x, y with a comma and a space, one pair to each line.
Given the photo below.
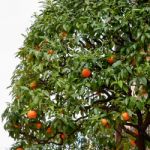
83, 78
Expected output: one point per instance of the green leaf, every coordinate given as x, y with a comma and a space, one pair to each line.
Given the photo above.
140, 105
24, 88
143, 81
120, 83
129, 69
63, 99
116, 64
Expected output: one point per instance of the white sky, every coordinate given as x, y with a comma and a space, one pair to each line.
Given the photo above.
15, 18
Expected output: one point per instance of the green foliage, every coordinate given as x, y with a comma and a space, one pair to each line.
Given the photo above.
82, 34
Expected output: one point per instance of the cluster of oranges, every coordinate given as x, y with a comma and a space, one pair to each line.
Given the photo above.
125, 116
87, 73
32, 114
63, 35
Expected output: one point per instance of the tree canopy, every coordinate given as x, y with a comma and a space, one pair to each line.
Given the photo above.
83, 81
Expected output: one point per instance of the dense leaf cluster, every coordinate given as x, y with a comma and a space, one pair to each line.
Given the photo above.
68, 36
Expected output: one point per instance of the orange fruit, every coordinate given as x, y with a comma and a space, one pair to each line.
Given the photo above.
63, 35
19, 148
132, 142
49, 130
125, 116
50, 52
38, 125
104, 122
33, 85
111, 59
62, 136
86, 73
32, 114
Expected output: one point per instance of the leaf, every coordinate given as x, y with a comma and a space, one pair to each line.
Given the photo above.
96, 111
46, 93
132, 102
51, 107
129, 69
120, 83
126, 88
142, 38
126, 101
107, 81
82, 34
117, 63
143, 81
24, 88
140, 105
40, 67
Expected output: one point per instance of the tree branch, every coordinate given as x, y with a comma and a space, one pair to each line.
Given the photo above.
130, 34
139, 115
132, 125
48, 141
128, 131
146, 121
83, 117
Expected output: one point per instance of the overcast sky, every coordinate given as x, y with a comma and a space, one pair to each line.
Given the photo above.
15, 17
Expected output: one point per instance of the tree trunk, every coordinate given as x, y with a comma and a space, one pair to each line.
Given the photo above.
140, 142
118, 137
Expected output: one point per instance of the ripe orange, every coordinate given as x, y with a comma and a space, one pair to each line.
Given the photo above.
49, 130
63, 35
104, 122
125, 116
33, 85
86, 73
111, 59
38, 125
62, 136
132, 142
19, 148
50, 52
32, 114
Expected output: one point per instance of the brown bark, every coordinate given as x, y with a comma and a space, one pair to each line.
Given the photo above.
140, 142
118, 138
